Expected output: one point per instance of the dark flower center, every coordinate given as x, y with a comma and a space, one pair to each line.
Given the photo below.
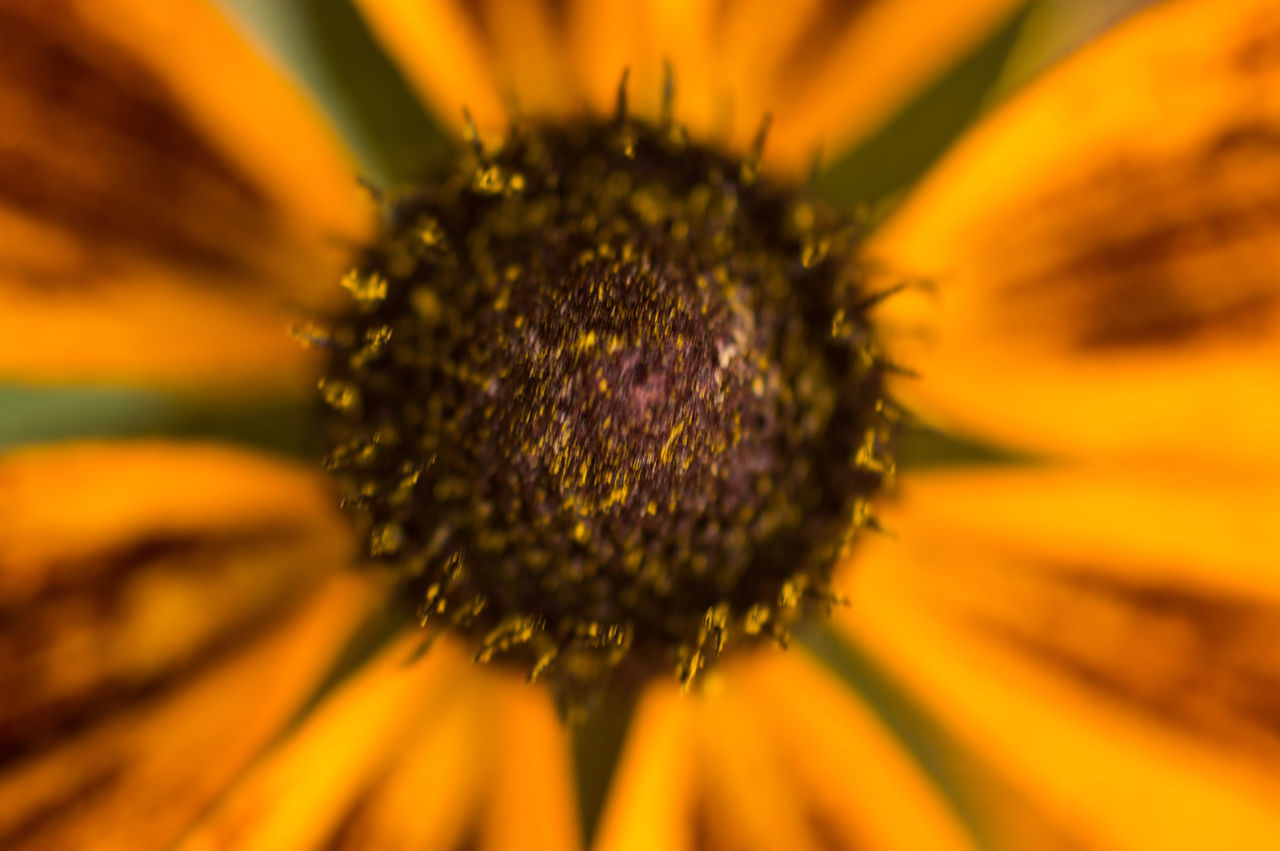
604, 396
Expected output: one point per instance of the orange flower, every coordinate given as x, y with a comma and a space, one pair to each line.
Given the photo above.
1073, 650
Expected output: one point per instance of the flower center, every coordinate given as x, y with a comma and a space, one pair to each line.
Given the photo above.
603, 396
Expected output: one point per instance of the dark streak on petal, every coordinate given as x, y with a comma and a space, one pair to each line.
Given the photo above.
1261, 53
480, 14
701, 832
828, 834
40, 709
1156, 246
99, 573
1151, 314
822, 35
27, 832
558, 15
1198, 661
1244, 138
351, 831
1117, 269
96, 145
358, 829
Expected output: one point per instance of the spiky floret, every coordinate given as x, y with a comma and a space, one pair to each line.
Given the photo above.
603, 395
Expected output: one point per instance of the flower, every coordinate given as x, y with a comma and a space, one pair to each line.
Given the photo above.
186, 660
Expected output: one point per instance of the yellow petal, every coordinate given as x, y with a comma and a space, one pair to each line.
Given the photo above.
531, 803
645, 38
1103, 638
137, 769
651, 799
772, 753
526, 52
827, 71
163, 193
747, 799
1105, 252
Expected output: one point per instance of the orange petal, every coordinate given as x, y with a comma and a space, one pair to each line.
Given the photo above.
302, 794
772, 754
430, 795
858, 62
444, 54
1106, 250
132, 771
1103, 638
606, 37
828, 71
426, 752
163, 192
125, 571
862, 788
72, 514
526, 51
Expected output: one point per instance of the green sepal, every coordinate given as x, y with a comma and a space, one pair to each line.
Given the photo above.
329, 46
31, 414
880, 169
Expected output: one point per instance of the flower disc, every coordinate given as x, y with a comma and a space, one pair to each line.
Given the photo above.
603, 394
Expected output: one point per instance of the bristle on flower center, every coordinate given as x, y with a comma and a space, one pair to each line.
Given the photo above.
608, 400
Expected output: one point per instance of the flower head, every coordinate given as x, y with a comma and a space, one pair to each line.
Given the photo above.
609, 390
